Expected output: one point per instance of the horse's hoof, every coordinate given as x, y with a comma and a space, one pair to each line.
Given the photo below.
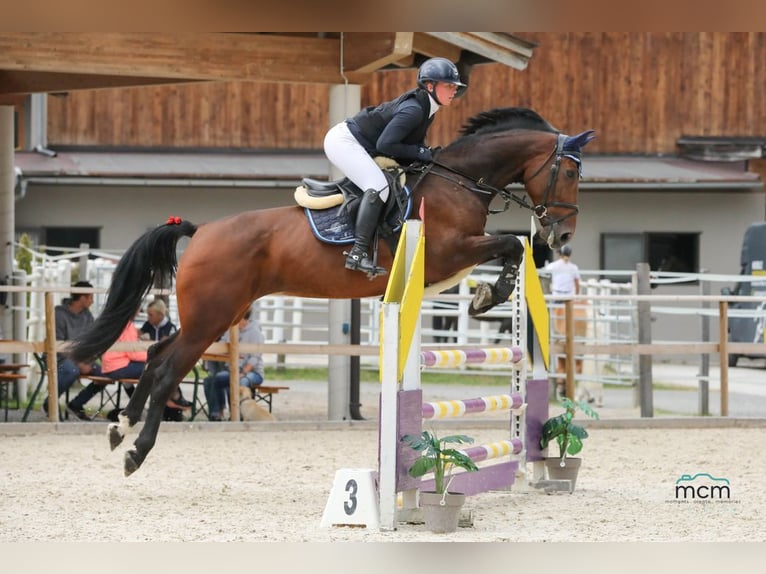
115, 436
482, 299
131, 462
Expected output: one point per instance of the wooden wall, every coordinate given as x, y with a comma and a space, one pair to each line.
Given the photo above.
215, 115
640, 91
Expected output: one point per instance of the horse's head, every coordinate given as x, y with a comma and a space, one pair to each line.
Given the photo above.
555, 196
516, 145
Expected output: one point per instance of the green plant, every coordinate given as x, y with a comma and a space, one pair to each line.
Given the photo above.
437, 458
567, 433
24, 254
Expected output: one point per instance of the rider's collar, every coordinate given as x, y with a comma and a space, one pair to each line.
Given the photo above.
434, 105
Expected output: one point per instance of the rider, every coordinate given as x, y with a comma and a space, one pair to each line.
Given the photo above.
396, 129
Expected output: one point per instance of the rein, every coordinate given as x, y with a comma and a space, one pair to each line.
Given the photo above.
477, 186
480, 186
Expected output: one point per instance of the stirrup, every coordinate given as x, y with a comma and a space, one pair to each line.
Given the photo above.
361, 262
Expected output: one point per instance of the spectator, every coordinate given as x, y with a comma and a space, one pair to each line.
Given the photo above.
73, 317
250, 368
565, 281
130, 365
445, 322
158, 325
124, 364
565, 275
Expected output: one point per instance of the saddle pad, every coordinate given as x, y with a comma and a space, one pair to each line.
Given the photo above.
333, 225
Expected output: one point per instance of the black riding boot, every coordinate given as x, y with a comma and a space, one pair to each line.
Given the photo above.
366, 222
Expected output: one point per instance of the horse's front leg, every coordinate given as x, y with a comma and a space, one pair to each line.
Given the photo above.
487, 296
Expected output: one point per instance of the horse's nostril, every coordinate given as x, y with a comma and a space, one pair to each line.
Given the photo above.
565, 237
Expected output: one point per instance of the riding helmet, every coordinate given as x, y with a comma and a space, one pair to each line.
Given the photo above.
566, 250
439, 70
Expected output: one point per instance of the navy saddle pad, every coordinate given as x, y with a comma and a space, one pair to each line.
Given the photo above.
334, 225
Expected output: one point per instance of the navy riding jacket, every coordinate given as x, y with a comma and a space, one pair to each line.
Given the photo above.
396, 128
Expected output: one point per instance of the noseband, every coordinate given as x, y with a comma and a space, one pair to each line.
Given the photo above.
541, 210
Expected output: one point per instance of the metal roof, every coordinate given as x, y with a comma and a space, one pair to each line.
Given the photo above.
287, 168
643, 172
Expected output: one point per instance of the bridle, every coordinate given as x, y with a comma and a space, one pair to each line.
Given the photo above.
480, 186
541, 211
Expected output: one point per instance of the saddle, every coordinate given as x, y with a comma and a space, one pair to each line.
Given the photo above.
331, 206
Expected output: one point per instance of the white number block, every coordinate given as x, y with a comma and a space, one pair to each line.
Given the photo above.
353, 500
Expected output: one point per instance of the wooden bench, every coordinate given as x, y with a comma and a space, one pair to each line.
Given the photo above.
9, 374
261, 393
265, 393
114, 397
107, 397
199, 405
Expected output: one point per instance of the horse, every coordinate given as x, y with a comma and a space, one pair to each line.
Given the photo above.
230, 262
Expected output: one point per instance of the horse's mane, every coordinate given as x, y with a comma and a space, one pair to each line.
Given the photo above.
503, 119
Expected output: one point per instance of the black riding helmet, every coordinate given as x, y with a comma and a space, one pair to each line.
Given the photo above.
440, 70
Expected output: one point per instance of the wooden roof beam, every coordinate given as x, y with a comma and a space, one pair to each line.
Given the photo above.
434, 47
366, 52
45, 82
208, 56
501, 48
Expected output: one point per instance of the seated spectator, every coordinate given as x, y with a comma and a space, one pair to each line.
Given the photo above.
124, 364
250, 368
72, 318
158, 325
130, 365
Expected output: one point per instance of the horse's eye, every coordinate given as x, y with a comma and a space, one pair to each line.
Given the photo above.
571, 173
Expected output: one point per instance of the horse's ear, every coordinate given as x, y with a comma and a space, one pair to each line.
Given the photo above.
580, 140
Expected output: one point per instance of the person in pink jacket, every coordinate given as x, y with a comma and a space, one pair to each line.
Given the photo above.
130, 365
124, 364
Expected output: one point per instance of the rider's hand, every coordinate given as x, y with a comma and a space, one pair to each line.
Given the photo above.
424, 154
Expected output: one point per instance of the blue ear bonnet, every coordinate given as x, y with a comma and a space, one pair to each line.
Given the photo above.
573, 144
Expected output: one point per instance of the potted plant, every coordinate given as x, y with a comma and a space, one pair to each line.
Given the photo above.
441, 508
569, 436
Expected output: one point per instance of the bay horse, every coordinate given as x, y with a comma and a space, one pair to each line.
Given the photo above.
230, 262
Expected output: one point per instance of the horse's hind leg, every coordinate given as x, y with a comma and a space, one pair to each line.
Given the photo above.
168, 373
486, 295
131, 414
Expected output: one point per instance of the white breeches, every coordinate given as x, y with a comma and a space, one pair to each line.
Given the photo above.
350, 157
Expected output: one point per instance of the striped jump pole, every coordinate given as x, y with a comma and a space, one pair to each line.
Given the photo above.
458, 408
459, 357
492, 450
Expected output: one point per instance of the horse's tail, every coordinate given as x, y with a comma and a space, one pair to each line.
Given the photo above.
151, 255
